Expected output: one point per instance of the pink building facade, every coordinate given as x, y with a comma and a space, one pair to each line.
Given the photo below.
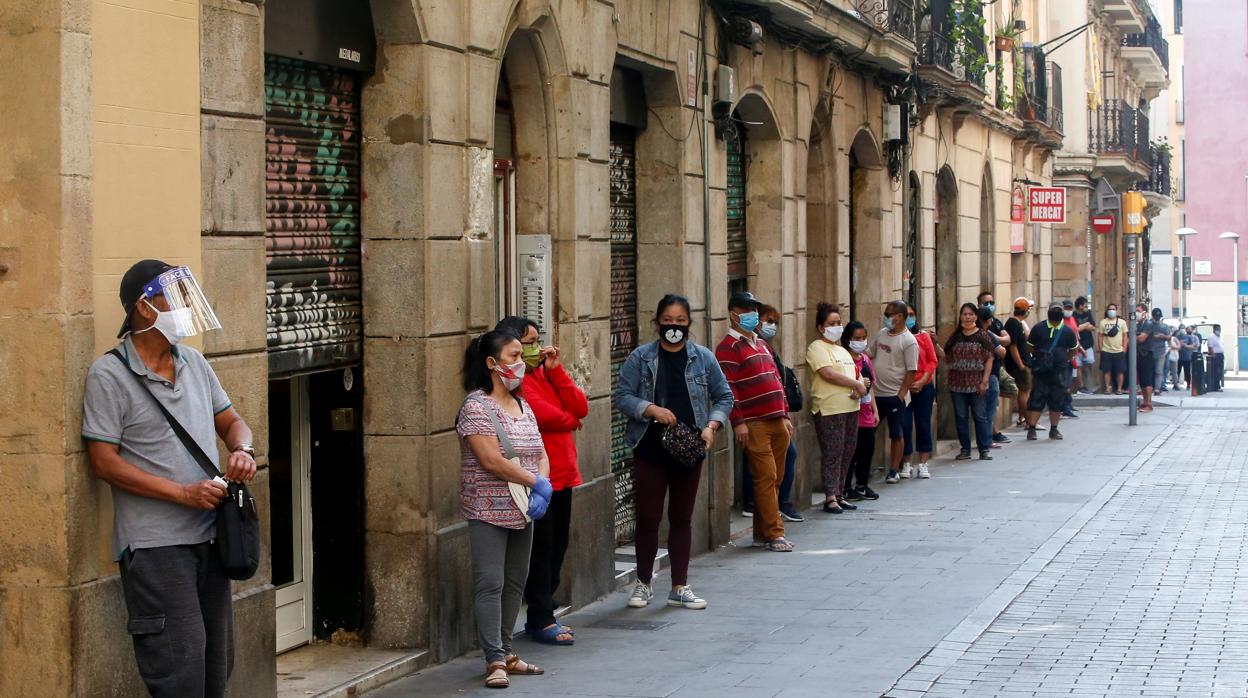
1214, 170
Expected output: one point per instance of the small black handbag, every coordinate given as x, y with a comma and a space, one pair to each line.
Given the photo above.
238, 525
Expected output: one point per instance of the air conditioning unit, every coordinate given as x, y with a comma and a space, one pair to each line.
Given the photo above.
533, 281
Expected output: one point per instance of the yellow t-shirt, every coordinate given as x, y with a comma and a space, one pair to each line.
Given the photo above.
827, 398
1112, 345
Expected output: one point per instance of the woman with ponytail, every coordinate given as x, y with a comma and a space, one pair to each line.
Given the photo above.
504, 486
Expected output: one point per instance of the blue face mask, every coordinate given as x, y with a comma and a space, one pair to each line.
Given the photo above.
992, 307
910, 323
748, 321
767, 330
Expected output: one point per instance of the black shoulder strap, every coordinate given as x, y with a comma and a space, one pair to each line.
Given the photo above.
191, 445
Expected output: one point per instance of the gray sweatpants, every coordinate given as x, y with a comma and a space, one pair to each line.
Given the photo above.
500, 566
178, 600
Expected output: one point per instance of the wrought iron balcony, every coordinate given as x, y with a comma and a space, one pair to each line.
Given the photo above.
1151, 38
936, 48
896, 16
1159, 175
1117, 128
1042, 90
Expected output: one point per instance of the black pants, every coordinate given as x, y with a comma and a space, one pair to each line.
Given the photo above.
1185, 367
180, 619
653, 483
1214, 367
864, 453
550, 543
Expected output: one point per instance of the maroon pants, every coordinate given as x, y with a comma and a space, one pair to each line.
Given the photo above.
651, 484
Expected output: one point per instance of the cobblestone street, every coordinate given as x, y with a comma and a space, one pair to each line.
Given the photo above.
1105, 564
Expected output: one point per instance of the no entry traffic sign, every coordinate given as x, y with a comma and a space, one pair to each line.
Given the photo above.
1103, 223
1046, 204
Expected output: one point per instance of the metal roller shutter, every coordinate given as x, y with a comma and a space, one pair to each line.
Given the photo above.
623, 314
312, 215
737, 199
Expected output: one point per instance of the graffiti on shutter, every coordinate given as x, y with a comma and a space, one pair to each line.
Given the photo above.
623, 314
312, 216
737, 201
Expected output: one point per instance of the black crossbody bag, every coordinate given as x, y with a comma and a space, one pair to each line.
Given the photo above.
238, 525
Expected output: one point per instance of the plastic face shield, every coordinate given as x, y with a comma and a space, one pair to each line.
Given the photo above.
186, 300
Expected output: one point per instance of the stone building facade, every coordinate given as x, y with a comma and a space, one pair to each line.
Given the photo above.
1114, 69
631, 149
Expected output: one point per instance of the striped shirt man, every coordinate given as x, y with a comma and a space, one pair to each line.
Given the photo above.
750, 368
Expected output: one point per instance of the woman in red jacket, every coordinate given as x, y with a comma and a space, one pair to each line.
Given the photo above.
559, 406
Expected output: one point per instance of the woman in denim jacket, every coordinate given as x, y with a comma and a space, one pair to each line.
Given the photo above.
702, 400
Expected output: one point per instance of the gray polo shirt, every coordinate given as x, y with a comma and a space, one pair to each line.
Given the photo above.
117, 409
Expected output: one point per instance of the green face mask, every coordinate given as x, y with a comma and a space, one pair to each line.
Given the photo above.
532, 355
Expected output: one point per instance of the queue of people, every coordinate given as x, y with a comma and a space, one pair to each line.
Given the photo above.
518, 422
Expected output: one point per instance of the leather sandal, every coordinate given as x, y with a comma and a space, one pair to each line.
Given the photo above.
496, 675
518, 667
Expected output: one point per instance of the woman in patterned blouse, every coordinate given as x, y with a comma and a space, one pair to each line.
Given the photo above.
502, 451
969, 355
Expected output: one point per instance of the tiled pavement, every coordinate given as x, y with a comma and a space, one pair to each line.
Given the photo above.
931, 565
1147, 598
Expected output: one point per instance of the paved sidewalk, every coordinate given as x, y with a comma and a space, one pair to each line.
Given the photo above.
1146, 598
866, 596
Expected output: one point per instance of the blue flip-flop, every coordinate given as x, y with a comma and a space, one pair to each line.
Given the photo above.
549, 635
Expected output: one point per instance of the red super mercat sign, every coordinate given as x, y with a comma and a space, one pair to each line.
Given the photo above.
1046, 204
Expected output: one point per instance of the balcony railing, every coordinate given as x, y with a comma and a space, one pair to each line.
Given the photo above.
1159, 175
1152, 37
936, 48
1055, 119
1117, 128
896, 16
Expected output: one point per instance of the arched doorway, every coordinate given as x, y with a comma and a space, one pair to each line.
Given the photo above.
946, 287
822, 247
866, 267
912, 284
946, 281
522, 175
755, 199
987, 242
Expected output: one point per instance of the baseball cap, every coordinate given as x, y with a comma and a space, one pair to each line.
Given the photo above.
1022, 303
133, 283
1068, 303
743, 299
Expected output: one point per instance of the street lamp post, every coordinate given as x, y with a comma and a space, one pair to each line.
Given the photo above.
1234, 238
1184, 234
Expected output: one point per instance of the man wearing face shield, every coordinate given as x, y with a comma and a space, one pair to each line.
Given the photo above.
164, 506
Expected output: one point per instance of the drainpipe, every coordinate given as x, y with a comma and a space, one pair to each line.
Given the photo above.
706, 252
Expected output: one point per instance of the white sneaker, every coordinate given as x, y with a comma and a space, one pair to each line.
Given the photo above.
923, 472
905, 471
640, 598
685, 598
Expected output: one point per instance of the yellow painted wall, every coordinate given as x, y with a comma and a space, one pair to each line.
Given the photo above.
145, 101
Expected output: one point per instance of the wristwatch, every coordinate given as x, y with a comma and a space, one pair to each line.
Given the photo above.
246, 448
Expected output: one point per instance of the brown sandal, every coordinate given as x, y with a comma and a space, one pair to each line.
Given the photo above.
496, 675
518, 667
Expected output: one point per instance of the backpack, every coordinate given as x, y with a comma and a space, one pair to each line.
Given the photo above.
1045, 362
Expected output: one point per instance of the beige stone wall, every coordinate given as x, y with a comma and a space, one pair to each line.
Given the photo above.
146, 144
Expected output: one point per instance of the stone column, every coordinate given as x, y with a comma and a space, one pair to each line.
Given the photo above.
60, 626
232, 247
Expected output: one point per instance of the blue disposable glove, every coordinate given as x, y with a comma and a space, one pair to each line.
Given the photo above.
537, 505
544, 488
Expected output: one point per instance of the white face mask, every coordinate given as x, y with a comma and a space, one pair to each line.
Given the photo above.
1112, 314
175, 325
833, 334
859, 346
512, 375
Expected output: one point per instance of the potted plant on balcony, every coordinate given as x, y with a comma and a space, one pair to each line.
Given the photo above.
1006, 35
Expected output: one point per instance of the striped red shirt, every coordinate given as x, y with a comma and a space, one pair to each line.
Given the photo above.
751, 373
